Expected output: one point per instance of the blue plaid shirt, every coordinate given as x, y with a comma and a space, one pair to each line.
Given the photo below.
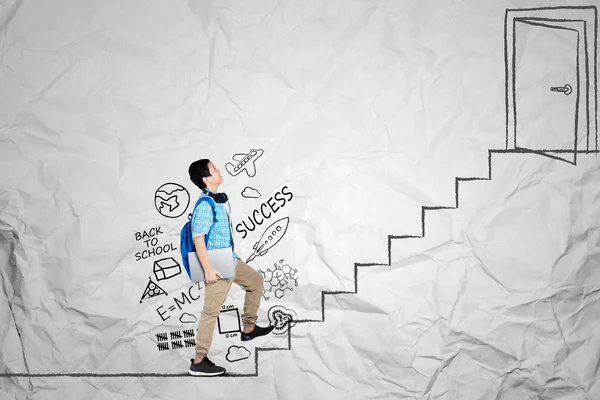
203, 220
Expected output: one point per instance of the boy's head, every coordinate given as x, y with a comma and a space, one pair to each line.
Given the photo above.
204, 174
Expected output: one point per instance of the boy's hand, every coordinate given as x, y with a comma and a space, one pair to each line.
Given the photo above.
210, 275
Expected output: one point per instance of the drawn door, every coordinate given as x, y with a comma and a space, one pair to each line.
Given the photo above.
546, 88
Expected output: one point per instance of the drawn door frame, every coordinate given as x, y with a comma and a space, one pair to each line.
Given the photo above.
586, 130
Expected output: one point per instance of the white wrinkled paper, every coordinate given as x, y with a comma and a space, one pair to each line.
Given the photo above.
348, 133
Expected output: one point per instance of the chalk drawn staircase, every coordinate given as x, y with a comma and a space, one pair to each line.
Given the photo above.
424, 210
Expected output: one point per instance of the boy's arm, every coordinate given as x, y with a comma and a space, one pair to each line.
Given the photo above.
210, 273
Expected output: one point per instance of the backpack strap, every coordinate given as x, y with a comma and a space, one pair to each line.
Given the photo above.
230, 227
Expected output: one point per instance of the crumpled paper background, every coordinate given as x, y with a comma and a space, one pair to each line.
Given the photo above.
366, 111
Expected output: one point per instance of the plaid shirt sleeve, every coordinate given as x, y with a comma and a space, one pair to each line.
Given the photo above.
202, 219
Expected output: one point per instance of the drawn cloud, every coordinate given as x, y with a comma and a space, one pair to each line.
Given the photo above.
250, 193
237, 353
187, 318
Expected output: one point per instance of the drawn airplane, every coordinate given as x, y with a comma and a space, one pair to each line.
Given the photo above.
171, 203
245, 162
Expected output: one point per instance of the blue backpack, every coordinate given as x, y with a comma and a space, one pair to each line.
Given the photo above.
186, 244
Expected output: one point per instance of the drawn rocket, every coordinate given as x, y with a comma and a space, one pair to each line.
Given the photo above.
270, 237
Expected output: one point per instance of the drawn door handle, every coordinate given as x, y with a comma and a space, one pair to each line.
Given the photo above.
567, 89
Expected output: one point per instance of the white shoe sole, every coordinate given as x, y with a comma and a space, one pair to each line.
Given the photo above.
196, 373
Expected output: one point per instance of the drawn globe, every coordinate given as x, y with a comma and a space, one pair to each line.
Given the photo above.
171, 200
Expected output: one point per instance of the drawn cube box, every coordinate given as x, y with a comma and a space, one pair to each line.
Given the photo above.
166, 268
229, 321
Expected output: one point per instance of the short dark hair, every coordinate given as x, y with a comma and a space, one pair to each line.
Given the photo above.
198, 170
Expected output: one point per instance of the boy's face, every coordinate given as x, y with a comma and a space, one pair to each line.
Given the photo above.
215, 177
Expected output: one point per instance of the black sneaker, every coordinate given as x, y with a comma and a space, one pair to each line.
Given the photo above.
205, 368
256, 332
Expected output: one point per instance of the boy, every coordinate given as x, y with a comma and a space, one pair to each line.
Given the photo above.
208, 178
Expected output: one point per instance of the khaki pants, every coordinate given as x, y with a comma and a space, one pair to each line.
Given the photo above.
215, 295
